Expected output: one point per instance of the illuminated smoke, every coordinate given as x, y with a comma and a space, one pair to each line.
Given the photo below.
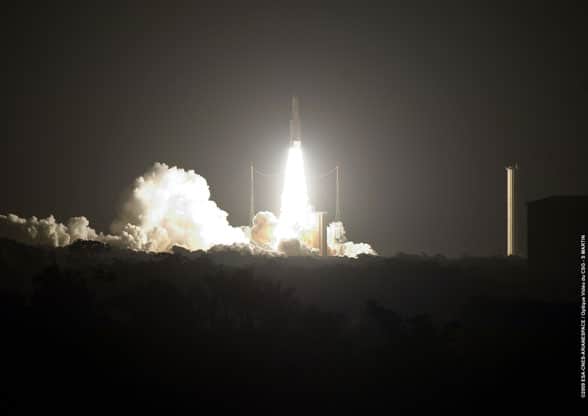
45, 231
294, 247
339, 246
298, 219
166, 207
169, 206
263, 230
172, 206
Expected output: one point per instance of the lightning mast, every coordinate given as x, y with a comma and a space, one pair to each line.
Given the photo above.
252, 198
337, 201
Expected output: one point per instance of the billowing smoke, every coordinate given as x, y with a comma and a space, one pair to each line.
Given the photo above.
168, 207
263, 230
339, 246
295, 247
45, 231
171, 206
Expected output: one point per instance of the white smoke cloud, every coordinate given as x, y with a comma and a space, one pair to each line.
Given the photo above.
45, 231
339, 246
168, 207
79, 229
172, 206
263, 229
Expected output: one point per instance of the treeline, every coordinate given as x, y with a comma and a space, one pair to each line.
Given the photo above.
180, 330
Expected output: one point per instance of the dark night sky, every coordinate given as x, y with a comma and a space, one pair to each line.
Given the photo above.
422, 107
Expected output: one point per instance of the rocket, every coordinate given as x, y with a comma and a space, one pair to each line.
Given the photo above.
295, 123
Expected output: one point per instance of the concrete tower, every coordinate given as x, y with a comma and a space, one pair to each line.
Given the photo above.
321, 230
511, 211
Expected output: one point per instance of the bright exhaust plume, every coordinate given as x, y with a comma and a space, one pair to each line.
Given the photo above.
296, 214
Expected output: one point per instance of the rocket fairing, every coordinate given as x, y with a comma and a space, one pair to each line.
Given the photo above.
295, 135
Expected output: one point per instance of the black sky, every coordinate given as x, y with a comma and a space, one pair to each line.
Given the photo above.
422, 107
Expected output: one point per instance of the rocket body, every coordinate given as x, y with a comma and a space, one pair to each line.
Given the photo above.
295, 134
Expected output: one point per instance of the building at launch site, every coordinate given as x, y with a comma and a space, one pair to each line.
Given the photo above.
557, 229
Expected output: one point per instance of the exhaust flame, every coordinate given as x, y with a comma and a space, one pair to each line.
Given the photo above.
296, 214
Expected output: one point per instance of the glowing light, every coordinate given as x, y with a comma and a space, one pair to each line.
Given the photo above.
296, 214
170, 206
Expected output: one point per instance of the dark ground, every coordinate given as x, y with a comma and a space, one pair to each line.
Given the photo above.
88, 327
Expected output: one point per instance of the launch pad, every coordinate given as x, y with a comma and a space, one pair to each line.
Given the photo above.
297, 218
